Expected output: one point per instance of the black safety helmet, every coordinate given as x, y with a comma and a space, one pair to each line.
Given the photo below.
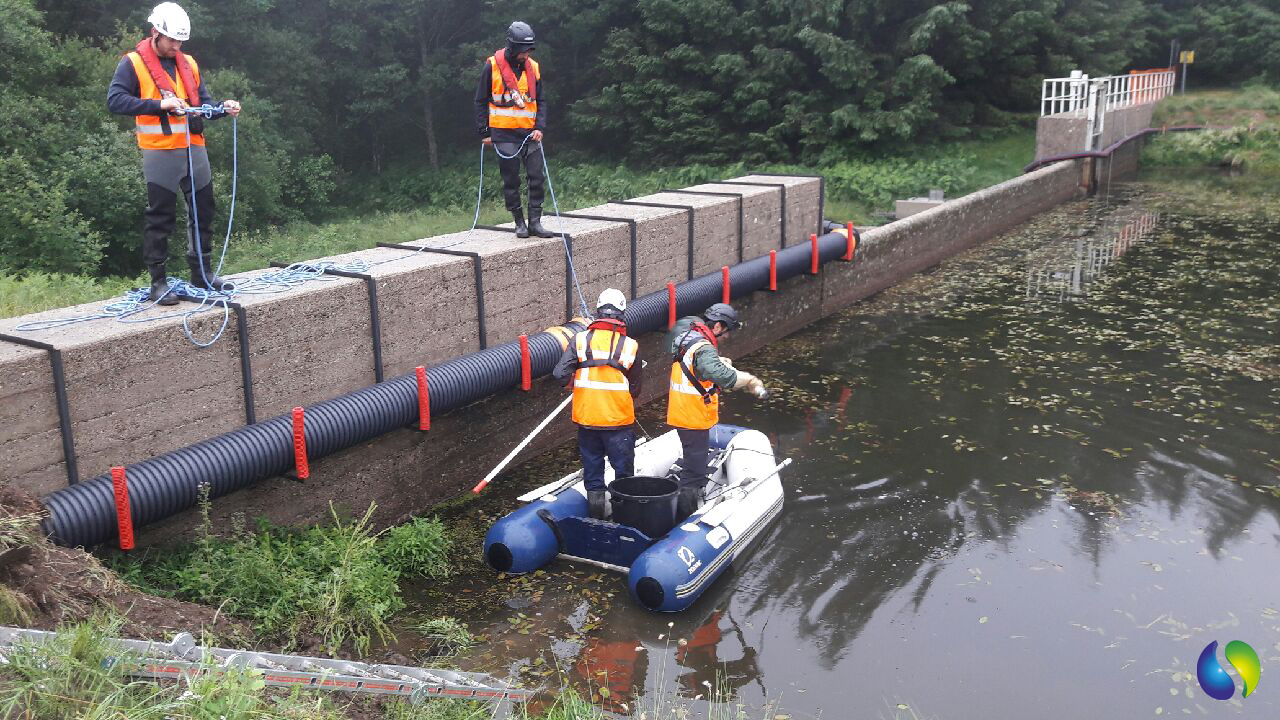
520, 37
721, 312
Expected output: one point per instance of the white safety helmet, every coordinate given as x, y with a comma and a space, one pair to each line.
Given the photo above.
611, 300
171, 20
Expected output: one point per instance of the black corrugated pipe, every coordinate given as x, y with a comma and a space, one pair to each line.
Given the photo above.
1107, 151
84, 514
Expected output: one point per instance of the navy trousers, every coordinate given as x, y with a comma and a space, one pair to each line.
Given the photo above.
618, 445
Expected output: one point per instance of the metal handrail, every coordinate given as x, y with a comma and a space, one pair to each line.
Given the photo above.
1070, 95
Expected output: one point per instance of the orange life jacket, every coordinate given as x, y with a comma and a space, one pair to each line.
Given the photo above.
692, 403
165, 131
601, 393
513, 103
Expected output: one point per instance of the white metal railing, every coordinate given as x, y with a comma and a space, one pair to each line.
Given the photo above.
1064, 95
1072, 94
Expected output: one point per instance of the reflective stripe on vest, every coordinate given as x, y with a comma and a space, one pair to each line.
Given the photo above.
686, 407
512, 112
504, 112
601, 393
151, 128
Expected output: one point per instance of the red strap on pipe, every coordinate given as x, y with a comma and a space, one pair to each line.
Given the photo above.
852, 242
773, 271
424, 400
671, 305
724, 282
526, 366
124, 519
813, 253
300, 445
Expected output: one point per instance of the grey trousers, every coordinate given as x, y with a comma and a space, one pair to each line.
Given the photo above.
167, 173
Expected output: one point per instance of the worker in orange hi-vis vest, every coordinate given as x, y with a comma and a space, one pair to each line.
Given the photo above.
511, 115
698, 375
154, 83
602, 366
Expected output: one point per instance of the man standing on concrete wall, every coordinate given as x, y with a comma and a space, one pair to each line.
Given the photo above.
601, 363
698, 374
511, 114
155, 83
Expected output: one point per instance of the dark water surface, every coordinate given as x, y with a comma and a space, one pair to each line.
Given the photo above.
1034, 482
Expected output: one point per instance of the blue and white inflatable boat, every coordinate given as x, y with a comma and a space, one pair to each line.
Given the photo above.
664, 573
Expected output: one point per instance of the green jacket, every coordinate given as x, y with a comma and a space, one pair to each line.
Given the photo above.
706, 362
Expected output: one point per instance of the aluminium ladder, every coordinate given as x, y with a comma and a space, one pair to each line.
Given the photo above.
184, 659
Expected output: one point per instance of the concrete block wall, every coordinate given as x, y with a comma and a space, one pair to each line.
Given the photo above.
135, 390
761, 215
141, 389
715, 232
1064, 133
524, 281
601, 252
804, 198
31, 444
406, 472
661, 242
892, 252
425, 307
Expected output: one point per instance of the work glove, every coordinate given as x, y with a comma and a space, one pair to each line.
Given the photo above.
750, 383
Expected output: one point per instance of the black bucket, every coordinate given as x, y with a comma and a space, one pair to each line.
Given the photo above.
647, 504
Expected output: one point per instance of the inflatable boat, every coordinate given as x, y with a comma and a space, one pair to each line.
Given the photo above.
668, 561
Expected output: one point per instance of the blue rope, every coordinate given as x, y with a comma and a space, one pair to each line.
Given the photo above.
275, 281
546, 171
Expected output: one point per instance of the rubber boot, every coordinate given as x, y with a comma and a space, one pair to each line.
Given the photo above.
198, 278
689, 500
595, 504
160, 287
522, 230
535, 224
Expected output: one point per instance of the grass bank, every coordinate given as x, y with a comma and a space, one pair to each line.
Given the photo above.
1245, 130
409, 203
328, 586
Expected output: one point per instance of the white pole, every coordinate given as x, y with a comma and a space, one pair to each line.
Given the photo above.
527, 439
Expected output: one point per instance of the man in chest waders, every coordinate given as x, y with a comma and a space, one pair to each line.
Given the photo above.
511, 114
154, 83
698, 375
602, 364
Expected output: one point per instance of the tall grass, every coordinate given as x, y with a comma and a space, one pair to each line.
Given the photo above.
340, 582
408, 203
1245, 130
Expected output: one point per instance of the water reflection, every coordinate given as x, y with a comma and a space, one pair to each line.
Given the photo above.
994, 491
1067, 279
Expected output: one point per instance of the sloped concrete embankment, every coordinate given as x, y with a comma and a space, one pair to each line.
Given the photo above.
138, 390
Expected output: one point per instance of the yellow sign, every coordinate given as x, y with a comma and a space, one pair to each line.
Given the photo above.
1187, 57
